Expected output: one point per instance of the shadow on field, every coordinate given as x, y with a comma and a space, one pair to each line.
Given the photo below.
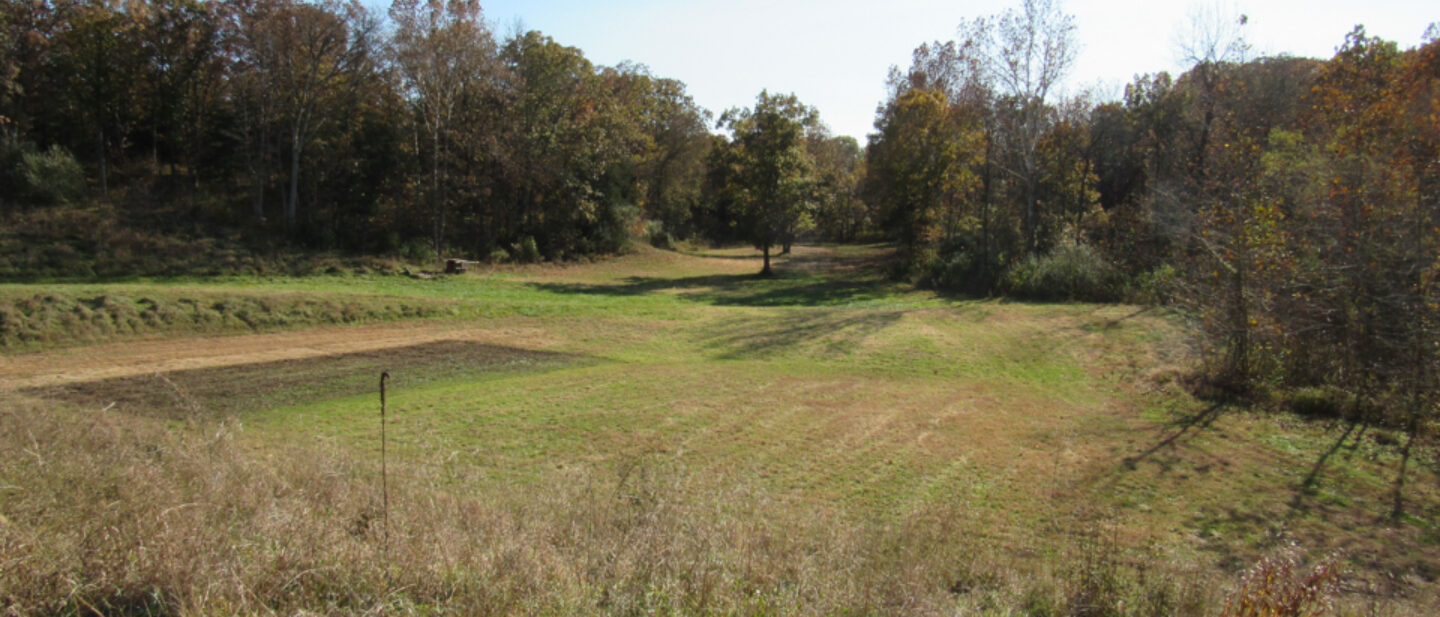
225, 390
1199, 420
805, 278
742, 289
1105, 323
834, 331
1312, 480
815, 258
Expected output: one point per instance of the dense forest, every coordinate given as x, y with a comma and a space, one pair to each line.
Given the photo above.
1289, 204
319, 125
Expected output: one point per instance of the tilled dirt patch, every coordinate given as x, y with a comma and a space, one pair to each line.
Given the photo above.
227, 390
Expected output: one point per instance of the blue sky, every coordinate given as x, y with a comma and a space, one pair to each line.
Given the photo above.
834, 54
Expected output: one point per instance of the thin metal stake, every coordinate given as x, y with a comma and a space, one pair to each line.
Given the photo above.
384, 477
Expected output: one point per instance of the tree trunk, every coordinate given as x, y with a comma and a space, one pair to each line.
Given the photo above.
259, 159
1030, 213
1419, 380
985, 203
292, 204
1208, 80
1240, 327
1080, 198
259, 201
437, 208
766, 270
104, 174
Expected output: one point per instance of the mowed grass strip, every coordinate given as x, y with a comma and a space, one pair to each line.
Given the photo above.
876, 410
827, 437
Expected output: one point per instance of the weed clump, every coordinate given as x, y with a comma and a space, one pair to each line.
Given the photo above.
1278, 586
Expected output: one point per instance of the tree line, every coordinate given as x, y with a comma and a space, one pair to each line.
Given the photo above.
320, 124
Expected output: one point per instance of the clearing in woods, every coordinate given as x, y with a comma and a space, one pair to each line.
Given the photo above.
828, 390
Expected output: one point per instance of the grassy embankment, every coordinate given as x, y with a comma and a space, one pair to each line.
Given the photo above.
668, 434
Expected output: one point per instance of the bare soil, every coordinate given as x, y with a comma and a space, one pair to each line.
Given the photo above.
221, 391
140, 358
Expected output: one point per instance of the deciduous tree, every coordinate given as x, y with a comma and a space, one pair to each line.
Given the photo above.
774, 174
920, 169
444, 52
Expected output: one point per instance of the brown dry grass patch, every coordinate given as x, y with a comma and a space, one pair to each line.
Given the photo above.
119, 515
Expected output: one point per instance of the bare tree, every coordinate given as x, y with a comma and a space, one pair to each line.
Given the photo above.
1028, 53
1211, 37
1212, 33
1221, 214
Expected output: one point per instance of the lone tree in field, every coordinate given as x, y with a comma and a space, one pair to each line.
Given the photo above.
773, 173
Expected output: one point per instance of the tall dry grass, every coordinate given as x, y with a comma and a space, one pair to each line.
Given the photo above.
105, 513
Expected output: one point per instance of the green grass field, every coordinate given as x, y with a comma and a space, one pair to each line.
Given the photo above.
666, 433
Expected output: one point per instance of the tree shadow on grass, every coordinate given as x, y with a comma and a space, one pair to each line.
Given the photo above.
1103, 324
1312, 480
1180, 428
785, 289
815, 258
757, 257
805, 278
836, 331
1237, 526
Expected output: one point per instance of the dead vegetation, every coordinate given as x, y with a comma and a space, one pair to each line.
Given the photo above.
114, 514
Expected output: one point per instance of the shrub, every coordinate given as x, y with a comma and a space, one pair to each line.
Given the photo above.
418, 251
1320, 402
960, 270
53, 176
619, 223
1158, 286
958, 264
526, 251
12, 176
658, 237
376, 265
1070, 272
31, 177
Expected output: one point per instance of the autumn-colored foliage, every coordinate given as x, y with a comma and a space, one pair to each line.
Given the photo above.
1279, 586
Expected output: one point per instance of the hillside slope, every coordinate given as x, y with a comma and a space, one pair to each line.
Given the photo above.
666, 433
